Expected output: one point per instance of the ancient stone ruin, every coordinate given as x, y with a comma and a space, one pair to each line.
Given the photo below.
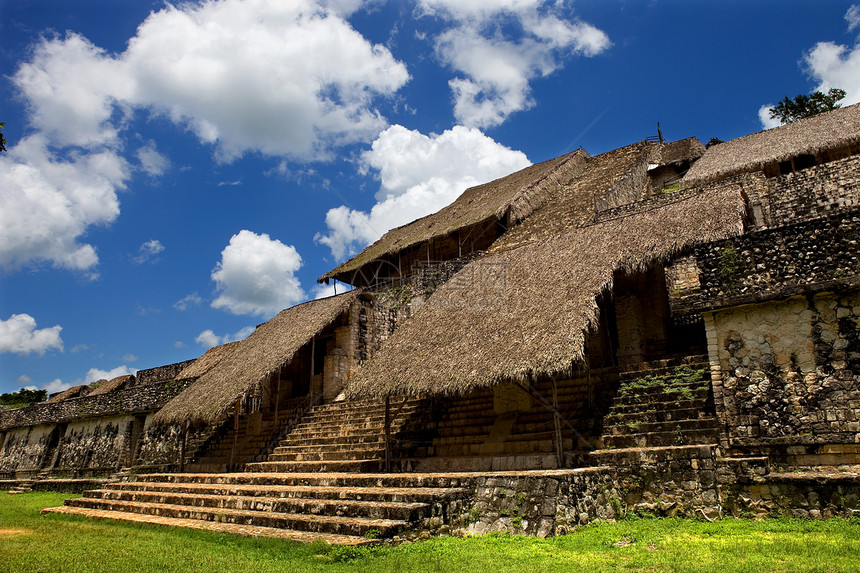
661, 329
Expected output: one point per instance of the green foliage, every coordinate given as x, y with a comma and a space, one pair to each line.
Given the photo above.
729, 265
2, 139
789, 111
22, 397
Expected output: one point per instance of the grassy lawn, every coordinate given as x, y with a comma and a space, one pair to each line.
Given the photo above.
33, 542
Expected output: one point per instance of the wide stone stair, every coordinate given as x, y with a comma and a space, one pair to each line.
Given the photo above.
663, 406
334, 507
339, 437
316, 485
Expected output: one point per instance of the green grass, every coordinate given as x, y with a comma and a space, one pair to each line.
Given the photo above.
67, 543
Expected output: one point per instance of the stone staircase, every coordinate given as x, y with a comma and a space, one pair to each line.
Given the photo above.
664, 406
339, 437
335, 507
296, 494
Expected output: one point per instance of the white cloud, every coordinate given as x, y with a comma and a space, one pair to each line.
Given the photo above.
178, 344
148, 251
852, 16
419, 175
286, 79
187, 302
830, 65
325, 290
282, 78
25, 382
130, 358
208, 338
18, 334
48, 202
151, 161
835, 66
57, 385
256, 275
498, 68
764, 117
94, 374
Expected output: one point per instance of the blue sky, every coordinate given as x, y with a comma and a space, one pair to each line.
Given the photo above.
176, 174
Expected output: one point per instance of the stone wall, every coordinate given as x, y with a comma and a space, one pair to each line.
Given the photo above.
96, 443
25, 448
788, 371
161, 373
814, 192
138, 398
806, 257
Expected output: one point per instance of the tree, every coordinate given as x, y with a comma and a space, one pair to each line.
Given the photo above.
2, 139
802, 106
23, 397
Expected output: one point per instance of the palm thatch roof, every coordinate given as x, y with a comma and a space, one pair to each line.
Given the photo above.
678, 151
73, 392
208, 361
526, 311
511, 198
244, 367
572, 204
112, 384
822, 132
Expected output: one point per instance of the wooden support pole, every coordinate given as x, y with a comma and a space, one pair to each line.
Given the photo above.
277, 397
313, 359
182, 447
559, 444
235, 435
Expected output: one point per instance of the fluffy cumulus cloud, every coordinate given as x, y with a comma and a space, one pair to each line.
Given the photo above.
95, 374
418, 174
19, 335
281, 78
207, 339
288, 79
496, 67
49, 201
256, 275
830, 65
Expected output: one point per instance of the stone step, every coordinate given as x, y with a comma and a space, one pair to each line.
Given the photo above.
634, 390
244, 530
662, 406
361, 493
668, 397
327, 453
354, 526
615, 457
703, 423
363, 436
661, 439
316, 479
654, 416
358, 466
379, 509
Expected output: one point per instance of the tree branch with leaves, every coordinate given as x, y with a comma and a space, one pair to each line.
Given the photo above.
802, 106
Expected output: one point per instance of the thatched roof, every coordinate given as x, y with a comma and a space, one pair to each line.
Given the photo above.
674, 152
206, 362
249, 363
73, 392
511, 198
526, 311
825, 131
112, 384
572, 205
